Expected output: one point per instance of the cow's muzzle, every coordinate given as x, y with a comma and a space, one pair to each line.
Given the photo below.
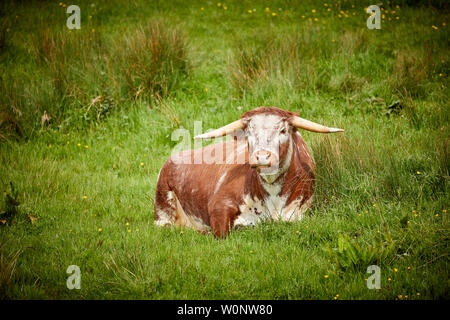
262, 159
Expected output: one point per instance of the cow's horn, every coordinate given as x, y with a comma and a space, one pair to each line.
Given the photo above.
229, 128
312, 126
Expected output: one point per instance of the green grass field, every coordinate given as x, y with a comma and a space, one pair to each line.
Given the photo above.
86, 118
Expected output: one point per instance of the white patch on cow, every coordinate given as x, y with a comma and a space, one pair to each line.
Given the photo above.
272, 189
273, 207
164, 218
255, 210
294, 211
219, 183
249, 209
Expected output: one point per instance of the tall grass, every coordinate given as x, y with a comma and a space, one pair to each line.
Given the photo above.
153, 60
297, 59
79, 76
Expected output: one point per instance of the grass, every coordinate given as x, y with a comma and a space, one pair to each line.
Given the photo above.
86, 119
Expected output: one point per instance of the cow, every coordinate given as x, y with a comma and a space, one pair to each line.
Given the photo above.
264, 172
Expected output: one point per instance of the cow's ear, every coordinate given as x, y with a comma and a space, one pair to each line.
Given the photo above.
245, 122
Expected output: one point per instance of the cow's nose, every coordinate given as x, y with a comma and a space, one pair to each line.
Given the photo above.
261, 158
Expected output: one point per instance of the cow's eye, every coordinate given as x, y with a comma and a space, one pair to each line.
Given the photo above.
283, 131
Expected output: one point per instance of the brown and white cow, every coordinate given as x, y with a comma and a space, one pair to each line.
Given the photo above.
274, 180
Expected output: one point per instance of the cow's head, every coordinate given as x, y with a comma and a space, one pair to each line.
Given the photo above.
268, 132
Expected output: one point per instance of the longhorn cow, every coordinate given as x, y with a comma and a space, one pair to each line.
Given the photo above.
265, 172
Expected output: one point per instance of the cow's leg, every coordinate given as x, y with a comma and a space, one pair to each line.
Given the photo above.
165, 210
220, 225
222, 218
165, 204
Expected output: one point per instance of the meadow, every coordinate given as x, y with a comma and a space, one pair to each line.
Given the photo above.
86, 118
